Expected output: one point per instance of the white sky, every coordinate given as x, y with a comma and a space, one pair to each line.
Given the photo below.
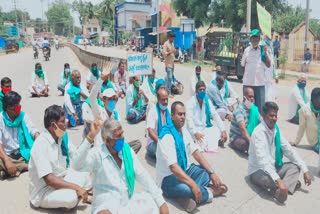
34, 7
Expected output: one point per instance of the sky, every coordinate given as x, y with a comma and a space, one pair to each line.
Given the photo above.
34, 7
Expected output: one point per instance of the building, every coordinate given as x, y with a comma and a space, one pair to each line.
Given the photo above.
91, 26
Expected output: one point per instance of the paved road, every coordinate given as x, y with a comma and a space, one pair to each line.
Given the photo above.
232, 168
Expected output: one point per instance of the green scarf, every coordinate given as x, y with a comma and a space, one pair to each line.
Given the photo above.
25, 139
105, 85
95, 72
39, 73
153, 91
74, 92
65, 76
138, 105
226, 88
199, 78
305, 100
100, 103
65, 148
316, 112
208, 112
1, 98
254, 118
279, 154
128, 168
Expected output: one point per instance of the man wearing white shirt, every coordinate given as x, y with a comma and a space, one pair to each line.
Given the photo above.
149, 88
17, 134
116, 170
93, 76
178, 178
158, 117
298, 98
73, 99
39, 82
195, 78
200, 115
253, 60
266, 166
53, 183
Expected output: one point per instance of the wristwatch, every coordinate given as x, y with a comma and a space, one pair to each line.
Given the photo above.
211, 172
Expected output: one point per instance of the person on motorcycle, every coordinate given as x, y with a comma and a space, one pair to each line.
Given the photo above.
46, 45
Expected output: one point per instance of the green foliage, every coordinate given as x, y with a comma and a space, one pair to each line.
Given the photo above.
59, 18
285, 22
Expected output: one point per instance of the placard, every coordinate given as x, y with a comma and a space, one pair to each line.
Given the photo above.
139, 64
264, 20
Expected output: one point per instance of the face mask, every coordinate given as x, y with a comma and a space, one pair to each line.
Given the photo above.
67, 70
151, 79
59, 132
198, 74
247, 103
302, 85
136, 83
162, 107
201, 94
118, 145
5, 89
17, 109
111, 105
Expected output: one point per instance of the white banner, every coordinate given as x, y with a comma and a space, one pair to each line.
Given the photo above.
139, 64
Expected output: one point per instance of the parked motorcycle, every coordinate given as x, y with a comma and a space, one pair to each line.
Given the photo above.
35, 53
179, 57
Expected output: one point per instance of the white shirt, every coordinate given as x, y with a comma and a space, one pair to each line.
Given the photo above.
167, 155
91, 78
296, 99
152, 121
146, 89
46, 158
9, 136
193, 83
109, 182
196, 116
67, 99
232, 92
130, 99
253, 66
37, 81
262, 151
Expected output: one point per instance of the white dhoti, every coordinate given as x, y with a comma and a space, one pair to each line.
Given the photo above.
210, 140
38, 87
271, 95
141, 203
66, 198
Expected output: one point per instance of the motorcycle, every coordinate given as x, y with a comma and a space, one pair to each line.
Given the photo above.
35, 53
158, 53
179, 56
46, 53
185, 55
57, 47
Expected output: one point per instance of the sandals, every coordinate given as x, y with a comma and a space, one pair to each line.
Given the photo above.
218, 191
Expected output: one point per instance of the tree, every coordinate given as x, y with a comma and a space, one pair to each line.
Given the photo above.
85, 10
59, 18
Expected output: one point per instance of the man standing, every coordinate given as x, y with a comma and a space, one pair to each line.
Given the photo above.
309, 121
157, 117
276, 50
307, 60
245, 119
6, 86
178, 178
266, 166
253, 60
168, 53
74, 99
298, 98
53, 183
200, 113
17, 134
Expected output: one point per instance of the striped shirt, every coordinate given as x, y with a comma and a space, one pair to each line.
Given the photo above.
241, 113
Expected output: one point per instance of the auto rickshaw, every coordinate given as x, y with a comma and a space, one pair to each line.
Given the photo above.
11, 45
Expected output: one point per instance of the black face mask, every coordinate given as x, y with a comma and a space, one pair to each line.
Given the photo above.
198, 74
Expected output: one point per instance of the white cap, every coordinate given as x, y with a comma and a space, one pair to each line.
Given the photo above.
109, 92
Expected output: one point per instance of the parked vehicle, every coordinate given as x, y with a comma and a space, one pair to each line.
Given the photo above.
179, 56
11, 45
227, 49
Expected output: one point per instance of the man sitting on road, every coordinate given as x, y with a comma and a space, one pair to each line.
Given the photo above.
266, 167
53, 182
188, 183
227, 92
65, 78
216, 98
6, 86
116, 170
39, 82
298, 98
195, 78
309, 121
157, 117
200, 112
74, 99
245, 119
93, 76
136, 102
17, 134
121, 79
149, 87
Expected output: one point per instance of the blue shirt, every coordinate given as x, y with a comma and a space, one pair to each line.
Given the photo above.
276, 46
307, 56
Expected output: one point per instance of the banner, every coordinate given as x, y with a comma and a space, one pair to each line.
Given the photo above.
139, 64
264, 20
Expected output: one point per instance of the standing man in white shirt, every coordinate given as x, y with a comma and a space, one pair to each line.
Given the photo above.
188, 183
203, 121
53, 182
267, 147
298, 98
17, 134
309, 121
253, 60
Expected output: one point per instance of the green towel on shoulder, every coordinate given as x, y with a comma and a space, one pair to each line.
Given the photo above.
254, 119
279, 154
128, 168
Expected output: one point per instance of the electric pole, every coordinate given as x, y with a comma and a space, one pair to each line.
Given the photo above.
248, 25
158, 24
307, 25
15, 9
